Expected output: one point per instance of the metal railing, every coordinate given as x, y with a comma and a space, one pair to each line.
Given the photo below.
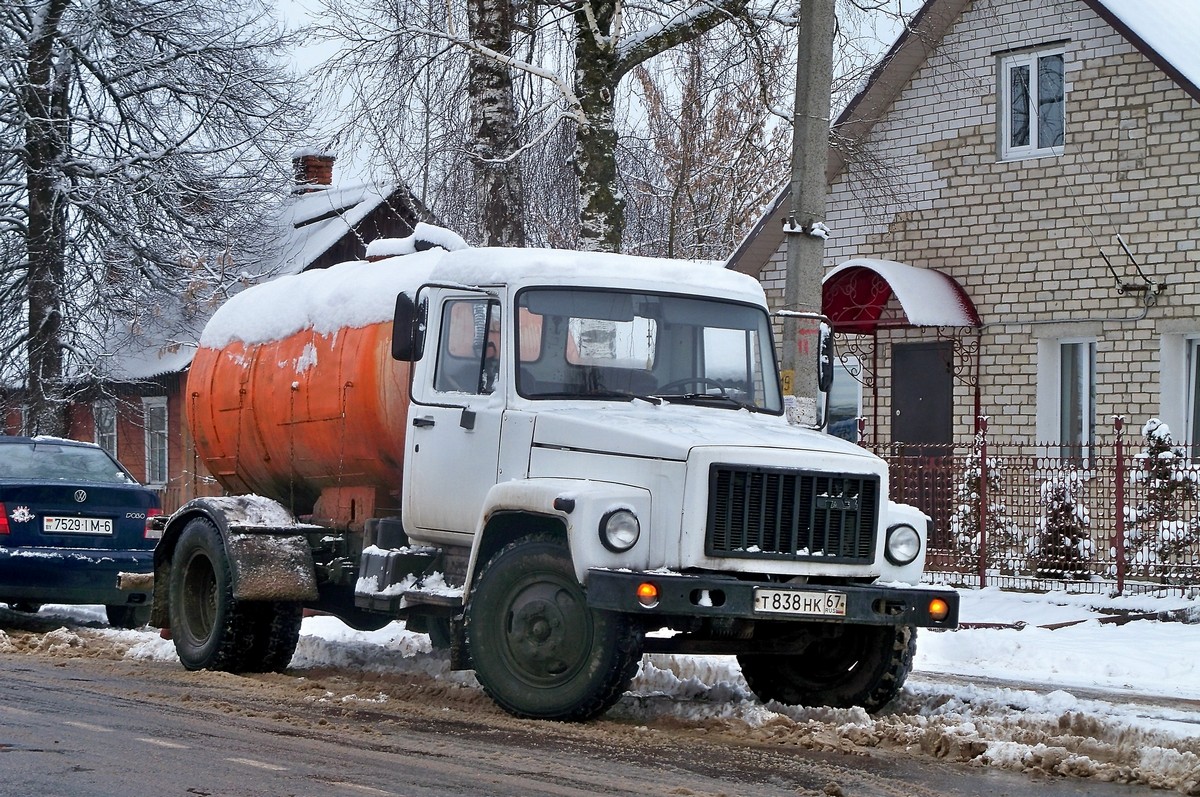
1121, 515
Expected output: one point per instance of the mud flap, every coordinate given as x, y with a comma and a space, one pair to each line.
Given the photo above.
269, 567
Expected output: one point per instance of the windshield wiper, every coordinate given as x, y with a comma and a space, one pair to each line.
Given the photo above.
708, 397
597, 394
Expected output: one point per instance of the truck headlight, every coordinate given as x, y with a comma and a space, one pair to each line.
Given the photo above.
903, 544
619, 530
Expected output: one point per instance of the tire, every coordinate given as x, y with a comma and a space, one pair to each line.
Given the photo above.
276, 632
127, 615
537, 649
863, 666
210, 629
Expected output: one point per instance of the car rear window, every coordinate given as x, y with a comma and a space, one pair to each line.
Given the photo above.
53, 462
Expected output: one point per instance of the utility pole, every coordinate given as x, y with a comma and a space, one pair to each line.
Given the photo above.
804, 226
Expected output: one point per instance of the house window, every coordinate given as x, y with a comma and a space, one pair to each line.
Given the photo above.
104, 413
155, 418
1192, 435
1032, 104
1077, 397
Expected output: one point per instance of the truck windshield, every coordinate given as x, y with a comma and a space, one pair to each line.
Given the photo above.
605, 344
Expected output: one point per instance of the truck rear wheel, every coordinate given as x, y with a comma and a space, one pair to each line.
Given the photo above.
538, 649
276, 633
863, 666
210, 629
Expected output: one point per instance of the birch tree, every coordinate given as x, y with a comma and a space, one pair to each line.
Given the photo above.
136, 142
577, 85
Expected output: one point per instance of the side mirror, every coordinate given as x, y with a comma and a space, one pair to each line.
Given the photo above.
408, 329
825, 359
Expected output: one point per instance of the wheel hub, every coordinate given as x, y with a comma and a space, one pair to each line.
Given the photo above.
547, 634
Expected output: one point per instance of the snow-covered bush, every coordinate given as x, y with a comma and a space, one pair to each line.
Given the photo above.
1160, 532
1002, 532
1062, 548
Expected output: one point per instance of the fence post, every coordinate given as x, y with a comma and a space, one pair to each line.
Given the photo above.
1119, 508
983, 501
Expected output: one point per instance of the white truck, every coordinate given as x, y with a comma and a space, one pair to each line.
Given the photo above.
552, 462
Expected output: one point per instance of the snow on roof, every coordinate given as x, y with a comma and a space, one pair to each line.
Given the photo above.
423, 237
1170, 28
929, 298
359, 293
314, 221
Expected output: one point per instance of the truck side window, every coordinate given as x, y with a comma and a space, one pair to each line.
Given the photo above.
469, 349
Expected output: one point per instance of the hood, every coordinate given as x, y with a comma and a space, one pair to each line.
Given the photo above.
671, 431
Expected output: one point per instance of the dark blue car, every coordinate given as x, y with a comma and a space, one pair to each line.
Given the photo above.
71, 519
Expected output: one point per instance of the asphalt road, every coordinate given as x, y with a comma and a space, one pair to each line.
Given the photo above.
93, 727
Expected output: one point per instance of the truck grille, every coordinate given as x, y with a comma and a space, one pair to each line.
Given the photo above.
771, 513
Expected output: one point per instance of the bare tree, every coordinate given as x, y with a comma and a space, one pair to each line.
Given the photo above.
137, 143
567, 59
707, 160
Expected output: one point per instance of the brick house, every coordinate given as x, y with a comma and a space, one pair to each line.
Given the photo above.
1004, 145
139, 414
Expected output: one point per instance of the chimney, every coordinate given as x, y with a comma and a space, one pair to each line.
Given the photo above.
313, 170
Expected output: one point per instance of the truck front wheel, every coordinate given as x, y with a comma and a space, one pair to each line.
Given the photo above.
538, 649
210, 629
863, 666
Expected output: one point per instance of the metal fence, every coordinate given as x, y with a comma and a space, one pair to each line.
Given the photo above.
1121, 515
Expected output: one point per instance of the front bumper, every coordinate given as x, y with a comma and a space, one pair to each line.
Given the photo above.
686, 595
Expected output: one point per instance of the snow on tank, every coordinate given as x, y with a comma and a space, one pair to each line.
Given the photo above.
359, 293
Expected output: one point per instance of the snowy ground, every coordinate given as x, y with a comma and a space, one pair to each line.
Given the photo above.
1091, 699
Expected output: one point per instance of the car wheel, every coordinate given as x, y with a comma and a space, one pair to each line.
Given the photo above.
538, 649
863, 666
127, 615
211, 630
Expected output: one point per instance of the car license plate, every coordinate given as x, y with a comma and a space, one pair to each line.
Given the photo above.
782, 601
76, 525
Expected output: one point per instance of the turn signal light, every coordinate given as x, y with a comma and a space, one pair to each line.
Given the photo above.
647, 594
938, 609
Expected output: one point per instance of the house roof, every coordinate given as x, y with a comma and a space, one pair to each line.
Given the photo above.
313, 222
1165, 31
307, 225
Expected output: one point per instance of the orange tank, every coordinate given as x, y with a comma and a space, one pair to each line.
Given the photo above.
313, 421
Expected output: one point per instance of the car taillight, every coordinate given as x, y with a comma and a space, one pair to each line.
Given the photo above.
153, 531
3, 519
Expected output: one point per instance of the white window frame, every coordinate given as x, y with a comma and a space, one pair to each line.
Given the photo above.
157, 470
105, 410
1191, 423
1029, 60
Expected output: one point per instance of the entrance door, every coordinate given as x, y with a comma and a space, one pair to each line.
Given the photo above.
922, 393
922, 427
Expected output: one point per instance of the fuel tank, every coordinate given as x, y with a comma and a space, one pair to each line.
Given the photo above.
313, 420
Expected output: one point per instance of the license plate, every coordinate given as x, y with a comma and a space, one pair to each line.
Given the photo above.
782, 601
77, 525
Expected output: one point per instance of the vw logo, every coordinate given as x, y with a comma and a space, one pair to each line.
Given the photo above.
80, 496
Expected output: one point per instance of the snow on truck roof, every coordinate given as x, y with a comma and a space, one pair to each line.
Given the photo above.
359, 293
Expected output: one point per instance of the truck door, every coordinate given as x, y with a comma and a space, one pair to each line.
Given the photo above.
455, 414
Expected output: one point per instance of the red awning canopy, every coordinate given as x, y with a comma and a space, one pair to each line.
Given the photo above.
856, 294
